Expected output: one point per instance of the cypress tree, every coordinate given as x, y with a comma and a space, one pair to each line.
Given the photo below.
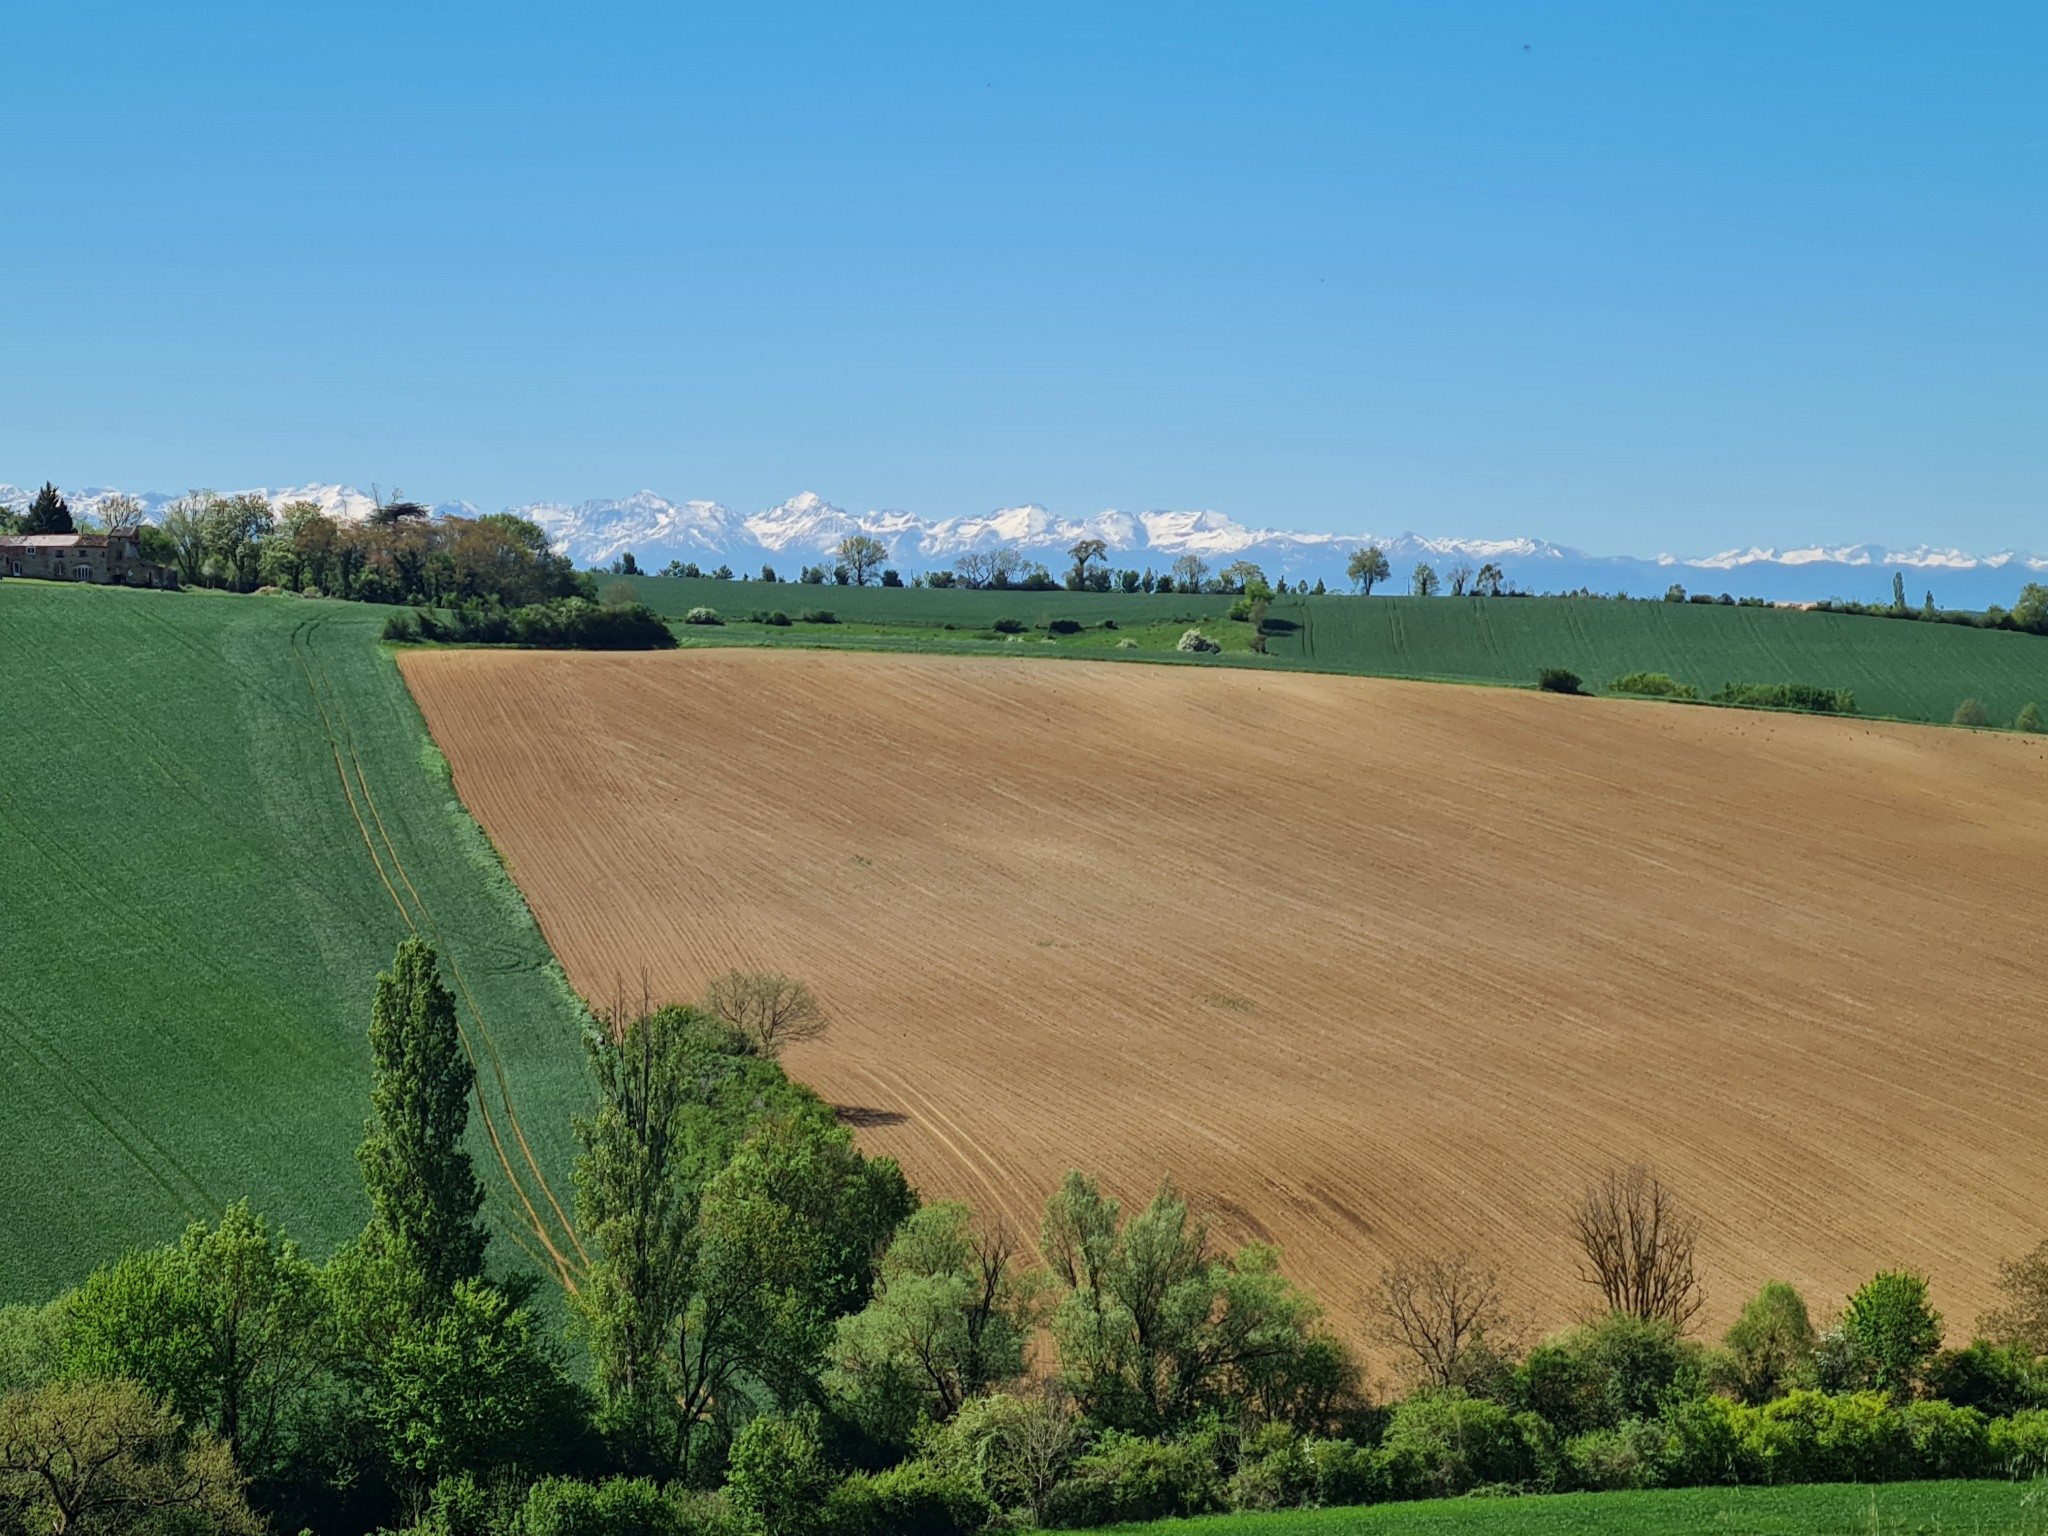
48, 513
423, 1189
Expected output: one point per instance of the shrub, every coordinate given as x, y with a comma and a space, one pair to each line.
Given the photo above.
2017, 1447
1274, 1471
401, 627
1707, 1440
817, 616
1557, 680
1443, 1442
1627, 1456
1064, 627
2029, 719
1812, 1437
778, 619
1194, 640
619, 1506
1605, 1373
1820, 701
778, 1477
1947, 1441
1111, 623
913, 1499
1970, 712
1989, 1377
1653, 685
1346, 1473
1129, 1478
1008, 626
702, 616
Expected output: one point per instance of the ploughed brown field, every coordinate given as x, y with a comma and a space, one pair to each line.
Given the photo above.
1365, 966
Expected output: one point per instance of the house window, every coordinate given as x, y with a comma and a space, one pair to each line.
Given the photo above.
82, 572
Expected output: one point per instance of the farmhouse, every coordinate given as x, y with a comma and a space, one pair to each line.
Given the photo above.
109, 559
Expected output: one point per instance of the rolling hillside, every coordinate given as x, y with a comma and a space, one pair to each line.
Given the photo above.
1906, 671
1911, 671
1369, 967
195, 923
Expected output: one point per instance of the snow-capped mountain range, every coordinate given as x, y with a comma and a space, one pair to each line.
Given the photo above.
805, 529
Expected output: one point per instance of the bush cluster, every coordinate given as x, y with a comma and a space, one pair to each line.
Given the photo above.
1653, 685
1804, 696
567, 623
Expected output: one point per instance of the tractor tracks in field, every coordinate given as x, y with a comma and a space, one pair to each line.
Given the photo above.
560, 1250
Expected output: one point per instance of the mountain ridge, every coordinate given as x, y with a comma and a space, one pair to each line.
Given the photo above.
806, 527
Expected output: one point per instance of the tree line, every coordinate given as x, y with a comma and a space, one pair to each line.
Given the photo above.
766, 1333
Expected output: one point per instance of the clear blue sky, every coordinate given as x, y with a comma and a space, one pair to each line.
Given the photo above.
1634, 276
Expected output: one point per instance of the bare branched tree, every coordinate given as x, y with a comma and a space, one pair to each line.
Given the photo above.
1437, 1310
767, 1008
1640, 1245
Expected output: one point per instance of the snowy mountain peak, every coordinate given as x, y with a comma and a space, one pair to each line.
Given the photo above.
807, 528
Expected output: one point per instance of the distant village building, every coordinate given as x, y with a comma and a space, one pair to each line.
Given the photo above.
105, 559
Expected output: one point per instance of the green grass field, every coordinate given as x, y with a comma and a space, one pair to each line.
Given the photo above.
919, 607
1909, 671
194, 921
1893, 1509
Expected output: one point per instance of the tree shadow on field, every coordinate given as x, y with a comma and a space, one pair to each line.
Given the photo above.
862, 1118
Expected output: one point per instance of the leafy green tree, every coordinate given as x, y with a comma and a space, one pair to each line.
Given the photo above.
470, 1387
2028, 719
1424, 582
234, 530
2030, 608
951, 1317
791, 1230
1767, 1347
778, 1476
32, 1343
424, 1192
1970, 712
1085, 554
184, 525
100, 1458
228, 1327
1155, 1327
1898, 591
1893, 1331
48, 513
1239, 575
1367, 567
862, 556
731, 1222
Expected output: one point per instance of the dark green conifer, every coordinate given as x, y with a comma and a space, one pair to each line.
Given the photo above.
48, 513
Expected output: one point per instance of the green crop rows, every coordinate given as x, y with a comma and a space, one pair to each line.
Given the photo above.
921, 607
1907, 670
1914, 671
194, 923
1892, 1509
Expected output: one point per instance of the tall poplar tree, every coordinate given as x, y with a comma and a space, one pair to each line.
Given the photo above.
423, 1188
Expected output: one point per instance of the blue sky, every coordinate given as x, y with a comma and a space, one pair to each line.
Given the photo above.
1636, 277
